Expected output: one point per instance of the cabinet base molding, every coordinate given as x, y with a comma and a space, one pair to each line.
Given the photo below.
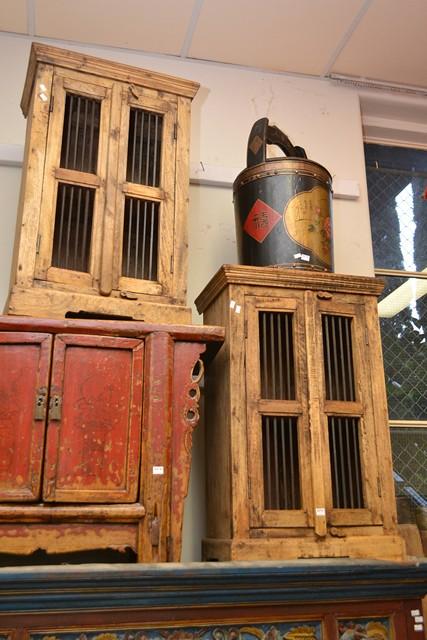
382, 547
77, 513
24, 539
48, 303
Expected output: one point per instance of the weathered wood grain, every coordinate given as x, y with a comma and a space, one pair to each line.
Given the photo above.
240, 526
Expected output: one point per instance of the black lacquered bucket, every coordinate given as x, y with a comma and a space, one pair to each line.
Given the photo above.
282, 206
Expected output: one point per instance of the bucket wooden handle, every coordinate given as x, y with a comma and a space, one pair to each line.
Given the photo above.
263, 134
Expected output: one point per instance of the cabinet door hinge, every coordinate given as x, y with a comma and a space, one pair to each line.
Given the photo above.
155, 531
366, 335
175, 131
171, 265
39, 238
379, 487
51, 103
246, 328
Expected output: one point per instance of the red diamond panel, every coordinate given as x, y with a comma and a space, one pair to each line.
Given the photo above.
261, 221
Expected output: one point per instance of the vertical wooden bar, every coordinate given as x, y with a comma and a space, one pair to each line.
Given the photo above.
316, 420
182, 150
108, 238
156, 441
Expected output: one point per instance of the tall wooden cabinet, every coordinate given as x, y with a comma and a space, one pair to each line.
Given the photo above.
298, 449
96, 422
102, 226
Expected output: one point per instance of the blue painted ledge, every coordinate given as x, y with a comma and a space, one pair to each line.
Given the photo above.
95, 586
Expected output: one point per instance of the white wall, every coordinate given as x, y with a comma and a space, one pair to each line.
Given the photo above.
321, 117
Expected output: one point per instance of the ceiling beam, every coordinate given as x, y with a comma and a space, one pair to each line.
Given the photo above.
346, 37
198, 4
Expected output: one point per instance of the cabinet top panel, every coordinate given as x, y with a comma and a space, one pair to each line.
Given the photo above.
45, 54
279, 277
123, 328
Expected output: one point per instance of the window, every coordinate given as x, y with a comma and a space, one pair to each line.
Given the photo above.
397, 188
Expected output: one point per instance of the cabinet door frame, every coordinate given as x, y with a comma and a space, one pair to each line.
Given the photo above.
258, 407
360, 409
128, 493
163, 196
28, 489
98, 89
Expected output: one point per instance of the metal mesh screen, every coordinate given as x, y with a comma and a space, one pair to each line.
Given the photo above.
79, 149
140, 239
280, 462
409, 446
276, 355
73, 227
403, 321
397, 179
338, 357
344, 454
144, 147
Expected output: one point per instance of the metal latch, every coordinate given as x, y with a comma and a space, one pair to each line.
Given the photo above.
155, 531
40, 404
55, 406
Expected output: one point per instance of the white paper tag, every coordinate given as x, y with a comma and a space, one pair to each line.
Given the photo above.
320, 511
415, 612
418, 627
158, 471
232, 304
419, 619
237, 309
305, 257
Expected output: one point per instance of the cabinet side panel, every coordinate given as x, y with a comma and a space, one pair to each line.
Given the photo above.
380, 414
179, 289
27, 224
218, 424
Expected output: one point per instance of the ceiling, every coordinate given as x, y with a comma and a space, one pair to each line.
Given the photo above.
378, 40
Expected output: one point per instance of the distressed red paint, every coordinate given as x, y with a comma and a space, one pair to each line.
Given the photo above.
115, 449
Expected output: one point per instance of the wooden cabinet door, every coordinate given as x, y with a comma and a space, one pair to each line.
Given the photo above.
24, 379
278, 434
94, 425
342, 410
74, 185
143, 245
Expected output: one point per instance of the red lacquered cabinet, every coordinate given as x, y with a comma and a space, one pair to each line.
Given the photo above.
96, 422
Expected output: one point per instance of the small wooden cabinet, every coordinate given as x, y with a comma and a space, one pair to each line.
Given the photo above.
102, 225
297, 418
96, 421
